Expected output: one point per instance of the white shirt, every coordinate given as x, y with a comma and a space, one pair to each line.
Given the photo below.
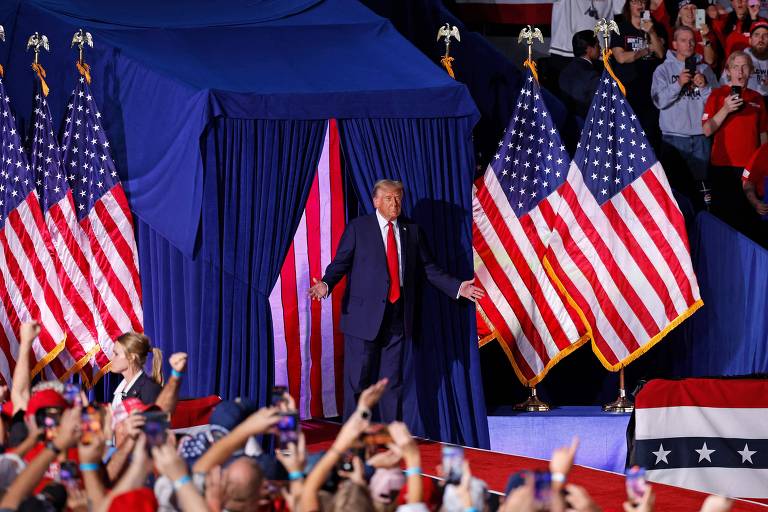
384, 234
570, 16
124, 387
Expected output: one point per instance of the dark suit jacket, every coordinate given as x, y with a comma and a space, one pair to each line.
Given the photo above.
361, 256
145, 389
578, 82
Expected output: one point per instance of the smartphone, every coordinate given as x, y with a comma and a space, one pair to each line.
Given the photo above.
636, 484
753, 3
155, 427
288, 429
646, 15
690, 65
377, 435
542, 489
453, 463
48, 419
736, 90
92, 419
701, 18
278, 393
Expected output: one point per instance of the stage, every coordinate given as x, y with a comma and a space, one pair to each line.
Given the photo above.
606, 487
602, 434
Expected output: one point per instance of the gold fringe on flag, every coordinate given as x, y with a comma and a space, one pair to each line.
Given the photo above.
50, 356
37, 68
2, 71
447, 61
606, 62
84, 70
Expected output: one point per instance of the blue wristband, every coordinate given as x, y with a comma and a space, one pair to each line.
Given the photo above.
89, 466
295, 475
181, 482
415, 470
176, 374
471, 509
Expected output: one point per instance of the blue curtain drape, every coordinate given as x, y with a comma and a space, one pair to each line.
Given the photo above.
729, 335
257, 175
433, 158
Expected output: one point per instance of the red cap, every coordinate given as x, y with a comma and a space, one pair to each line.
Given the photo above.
137, 500
45, 398
757, 25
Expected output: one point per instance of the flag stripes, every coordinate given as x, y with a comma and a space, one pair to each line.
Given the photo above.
308, 344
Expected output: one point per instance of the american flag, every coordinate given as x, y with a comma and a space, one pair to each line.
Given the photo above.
28, 285
621, 248
103, 214
83, 327
513, 210
309, 347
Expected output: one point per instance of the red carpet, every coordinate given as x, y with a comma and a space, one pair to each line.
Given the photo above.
607, 489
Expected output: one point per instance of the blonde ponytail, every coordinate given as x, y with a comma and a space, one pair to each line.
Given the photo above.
157, 366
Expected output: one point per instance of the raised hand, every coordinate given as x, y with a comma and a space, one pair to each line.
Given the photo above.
29, 331
168, 462
371, 395
562, 458
294, 458
178, 361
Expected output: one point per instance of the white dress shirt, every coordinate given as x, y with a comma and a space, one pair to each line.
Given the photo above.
384, 234
124, 387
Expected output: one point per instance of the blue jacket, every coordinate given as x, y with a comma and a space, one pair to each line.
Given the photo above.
361, 256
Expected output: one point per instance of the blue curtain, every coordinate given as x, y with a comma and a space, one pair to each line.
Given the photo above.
257, 176
729, 335
433, 158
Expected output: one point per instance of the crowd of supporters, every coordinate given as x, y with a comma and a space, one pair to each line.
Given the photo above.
60, 452
696, 75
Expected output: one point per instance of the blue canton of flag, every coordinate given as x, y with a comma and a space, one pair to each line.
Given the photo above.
531, 161
513, 212
613, 150
15, 172
50, 180
90, 170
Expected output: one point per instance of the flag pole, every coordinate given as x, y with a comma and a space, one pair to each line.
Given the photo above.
533, 403
603, 28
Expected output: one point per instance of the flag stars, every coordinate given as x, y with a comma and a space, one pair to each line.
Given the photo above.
705, 453
746, 454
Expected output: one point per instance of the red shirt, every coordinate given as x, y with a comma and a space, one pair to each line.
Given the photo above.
756, 170
739, 135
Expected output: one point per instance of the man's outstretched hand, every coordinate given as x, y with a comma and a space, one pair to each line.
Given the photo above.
319, 289
470, 291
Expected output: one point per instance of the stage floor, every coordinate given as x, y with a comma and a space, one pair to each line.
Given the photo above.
607, 488
536, 434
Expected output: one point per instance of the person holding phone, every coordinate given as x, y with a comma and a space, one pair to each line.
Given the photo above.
637, 50
732, 29
704, 37
735, 116
681, 86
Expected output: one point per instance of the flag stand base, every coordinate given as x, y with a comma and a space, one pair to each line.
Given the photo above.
622, 404
532, 403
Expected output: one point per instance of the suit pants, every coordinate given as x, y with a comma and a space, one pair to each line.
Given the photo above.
367, 361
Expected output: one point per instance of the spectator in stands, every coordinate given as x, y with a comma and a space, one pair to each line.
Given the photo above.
580, 78
681, 86
732, 29
574, 16
705, 37
131, 351
736, 116
758, 52
637, 49
754, 180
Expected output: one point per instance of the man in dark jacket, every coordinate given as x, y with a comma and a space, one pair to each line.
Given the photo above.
382, 255
579, 79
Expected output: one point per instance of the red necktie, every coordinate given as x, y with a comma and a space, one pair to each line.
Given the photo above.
392, 266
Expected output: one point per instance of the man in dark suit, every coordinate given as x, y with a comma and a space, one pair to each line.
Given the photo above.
580, 78
381, 255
